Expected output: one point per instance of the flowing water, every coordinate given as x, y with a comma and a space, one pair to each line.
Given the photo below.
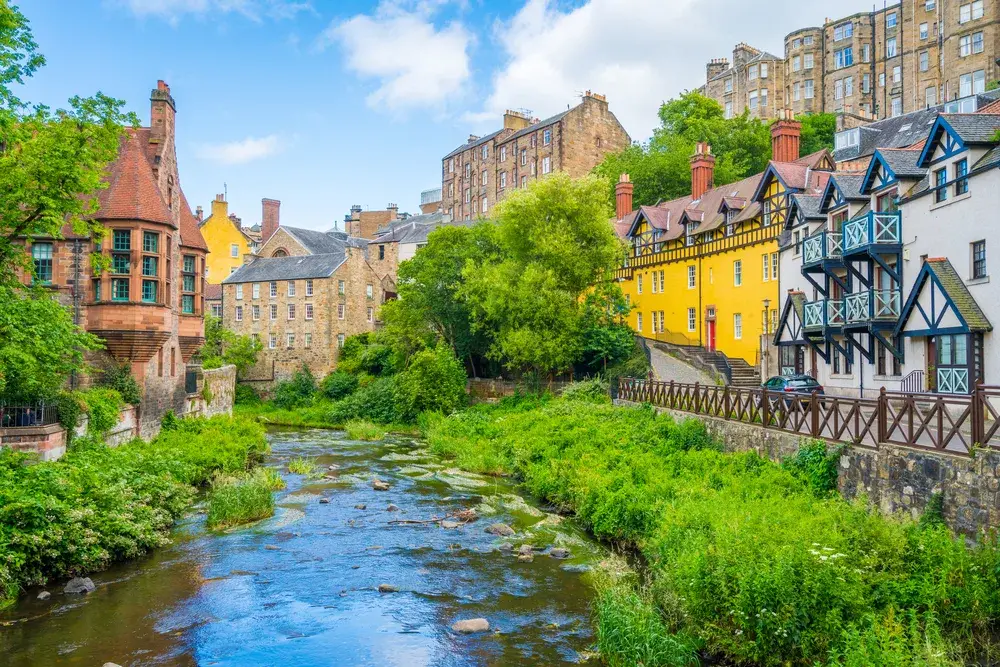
301, 588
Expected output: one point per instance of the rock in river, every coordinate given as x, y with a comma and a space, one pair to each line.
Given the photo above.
392, 508
525, 558
387, 588
525, 550
449, 524
361, 507
44, 595
379, 485
471, 625
501, 529
559, 552
79, 585
324, 501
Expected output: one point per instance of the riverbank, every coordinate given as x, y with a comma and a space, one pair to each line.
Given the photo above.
100, 505
748, 560
320, 414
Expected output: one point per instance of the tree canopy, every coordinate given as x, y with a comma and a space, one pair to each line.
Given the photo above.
661, 169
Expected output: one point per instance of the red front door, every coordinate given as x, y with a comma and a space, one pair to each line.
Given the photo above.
711, 335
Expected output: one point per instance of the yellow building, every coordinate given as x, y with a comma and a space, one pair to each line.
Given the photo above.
703, 270
226, 240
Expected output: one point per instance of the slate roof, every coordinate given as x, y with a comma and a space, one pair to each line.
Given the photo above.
467, 145
190, 230
539, 125
132, 192
974, 128
850, 186
959, 294
435, 218
264, 269
903, 162
991, 159
213, 292
896, 132
317, 242
809, 205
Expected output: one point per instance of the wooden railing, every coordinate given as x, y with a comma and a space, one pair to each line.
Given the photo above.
952, 423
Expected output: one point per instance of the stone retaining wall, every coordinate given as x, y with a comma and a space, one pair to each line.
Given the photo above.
894, 478
216, 393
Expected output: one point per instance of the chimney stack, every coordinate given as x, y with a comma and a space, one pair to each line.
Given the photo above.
623, 196
702, 170
786, 133
393, 211
199, 213
270, 218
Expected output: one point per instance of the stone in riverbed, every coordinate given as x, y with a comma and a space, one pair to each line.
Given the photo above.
79, 585
506, 546
449, 524
471, 625
500, 529
392, 508
44, 595
559, 552
525, 550
324, 501
379, 485
387, 588
525, 558
111, 664
361, 507
272, 547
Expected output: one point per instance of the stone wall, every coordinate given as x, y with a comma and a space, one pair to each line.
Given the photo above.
216, 393
49, 442
895, 479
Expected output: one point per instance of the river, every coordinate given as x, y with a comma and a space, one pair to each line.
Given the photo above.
301, 588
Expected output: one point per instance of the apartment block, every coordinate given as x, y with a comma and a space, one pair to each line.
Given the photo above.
754, 81
804, 71
476, 175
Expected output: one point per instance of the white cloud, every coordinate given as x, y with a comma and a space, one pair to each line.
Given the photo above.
416, 63
256, 10
636, 52
240, 152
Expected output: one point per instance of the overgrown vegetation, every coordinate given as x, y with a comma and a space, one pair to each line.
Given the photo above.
365, 431
99, 505
749, 561
223, 347
301, 466
244, 498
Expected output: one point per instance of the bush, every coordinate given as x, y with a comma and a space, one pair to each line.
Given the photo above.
590, 391
118, 376
435, 381
369, 353
104, 409
70, 407
297, 391
377, 402
241, 501
338, 385
630, 631
816, 466
245, 395
366, 431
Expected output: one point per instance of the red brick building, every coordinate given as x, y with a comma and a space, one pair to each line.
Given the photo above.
148, 308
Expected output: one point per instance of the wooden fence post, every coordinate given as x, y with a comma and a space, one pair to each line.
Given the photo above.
697, 398
882, 431
765, 408
670, 396
814, 410
725, 402
978, 414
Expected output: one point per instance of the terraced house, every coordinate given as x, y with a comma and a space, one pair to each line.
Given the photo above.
893, 284
703, 271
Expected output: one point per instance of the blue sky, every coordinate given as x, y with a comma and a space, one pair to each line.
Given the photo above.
328, 103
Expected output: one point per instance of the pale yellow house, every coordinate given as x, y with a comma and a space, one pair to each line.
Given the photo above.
227, 241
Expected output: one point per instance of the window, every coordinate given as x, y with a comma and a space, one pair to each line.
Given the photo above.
119, 289
150, 242
753, 100
120, 264
638, 321
662, 274
340, 341
274, 289
692, 319
866, 83
234, 250
897, 74
737, 273
239, 292
309, 311
890, 47
924, 61
838, 89
774, 266
503, 179
239, 313
486, 153
940, 179
923, 31
255, 312
737, 326
340, 287
524, 181
807, 40
371, 314
122, 239
291, 288
848, 86
255, 288
149, 291
729, 85
796, 95
890, 20
807, 61
881, 79
41, 254
897, 106
763, 98
961, 174
451, 170
272, 341
484, 178
468, 195
797, 243
485, 205
930, 96
843, 31
691, 277
546, 165
638, 283
291, 311
369, 291
970, 44
468, 169
524, 156
843, 57
978, 260
929, 5
763, 70
767, 268
307, 340
290, 337
340, 311
970, 12
752, 73
796, 63
809, 89
309, 287
977, 42
273, 311
546, 137
217, 310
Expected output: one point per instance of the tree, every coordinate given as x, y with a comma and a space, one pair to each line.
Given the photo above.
817, 132
223, 347
39, 344
554, 244
52, 163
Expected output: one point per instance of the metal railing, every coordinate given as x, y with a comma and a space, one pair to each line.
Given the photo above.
873, 229
953, 423
872, 305
822, 246
20, 416
823, 313
913, 383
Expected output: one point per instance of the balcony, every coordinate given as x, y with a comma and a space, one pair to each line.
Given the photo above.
823, 314
880, 306
821, 248
873, 233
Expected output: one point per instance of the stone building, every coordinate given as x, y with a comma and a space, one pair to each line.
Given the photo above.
226, 239
148, 309
303, 294
893, 60
476, 175
754, 81
364, 224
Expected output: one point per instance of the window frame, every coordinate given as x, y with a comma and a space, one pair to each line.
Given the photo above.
978, 249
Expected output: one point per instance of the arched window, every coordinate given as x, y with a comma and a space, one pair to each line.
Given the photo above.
280, 252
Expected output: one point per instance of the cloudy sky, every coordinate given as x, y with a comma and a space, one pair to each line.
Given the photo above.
328, 103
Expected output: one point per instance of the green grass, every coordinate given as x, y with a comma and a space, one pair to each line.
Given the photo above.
241, 500
363, 430
301, 466
319, 415
753, 562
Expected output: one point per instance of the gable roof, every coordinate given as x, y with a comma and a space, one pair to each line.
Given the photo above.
897, 163
132, 192
991, 159
966, 128
895, 132
263, 269
792, 176
473, 144
316, 242
809, 205
534, 127
940, 271
190, 231
848, 185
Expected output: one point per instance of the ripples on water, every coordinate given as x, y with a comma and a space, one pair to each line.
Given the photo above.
300, 588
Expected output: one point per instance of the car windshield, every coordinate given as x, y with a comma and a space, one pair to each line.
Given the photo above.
803, 383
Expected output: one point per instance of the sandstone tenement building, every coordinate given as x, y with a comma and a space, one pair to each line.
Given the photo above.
894, 60
476, 175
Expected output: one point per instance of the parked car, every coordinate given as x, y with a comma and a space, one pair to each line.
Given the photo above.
799, 387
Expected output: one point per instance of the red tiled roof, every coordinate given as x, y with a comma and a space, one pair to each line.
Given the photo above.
190, 232
813, 159
213, 292
132, 192
991, 108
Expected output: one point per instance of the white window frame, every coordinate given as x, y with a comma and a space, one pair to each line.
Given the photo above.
255, 290
272, 341
239, 313
309, 311
273, 289
738, 326
273, 312
692, 319
291, 311
234, 250
341, 311
692, 276
239, 292
738, 273
309, 287
546, 164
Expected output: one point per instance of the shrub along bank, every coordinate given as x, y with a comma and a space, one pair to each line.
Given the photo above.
100, 505
751, 561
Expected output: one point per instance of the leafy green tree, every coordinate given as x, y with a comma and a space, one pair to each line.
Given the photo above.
223, 347
39, 344
52, 163
817, 132
554, 243
434, 381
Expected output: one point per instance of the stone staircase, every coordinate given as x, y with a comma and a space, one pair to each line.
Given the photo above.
714, 363
744, 375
